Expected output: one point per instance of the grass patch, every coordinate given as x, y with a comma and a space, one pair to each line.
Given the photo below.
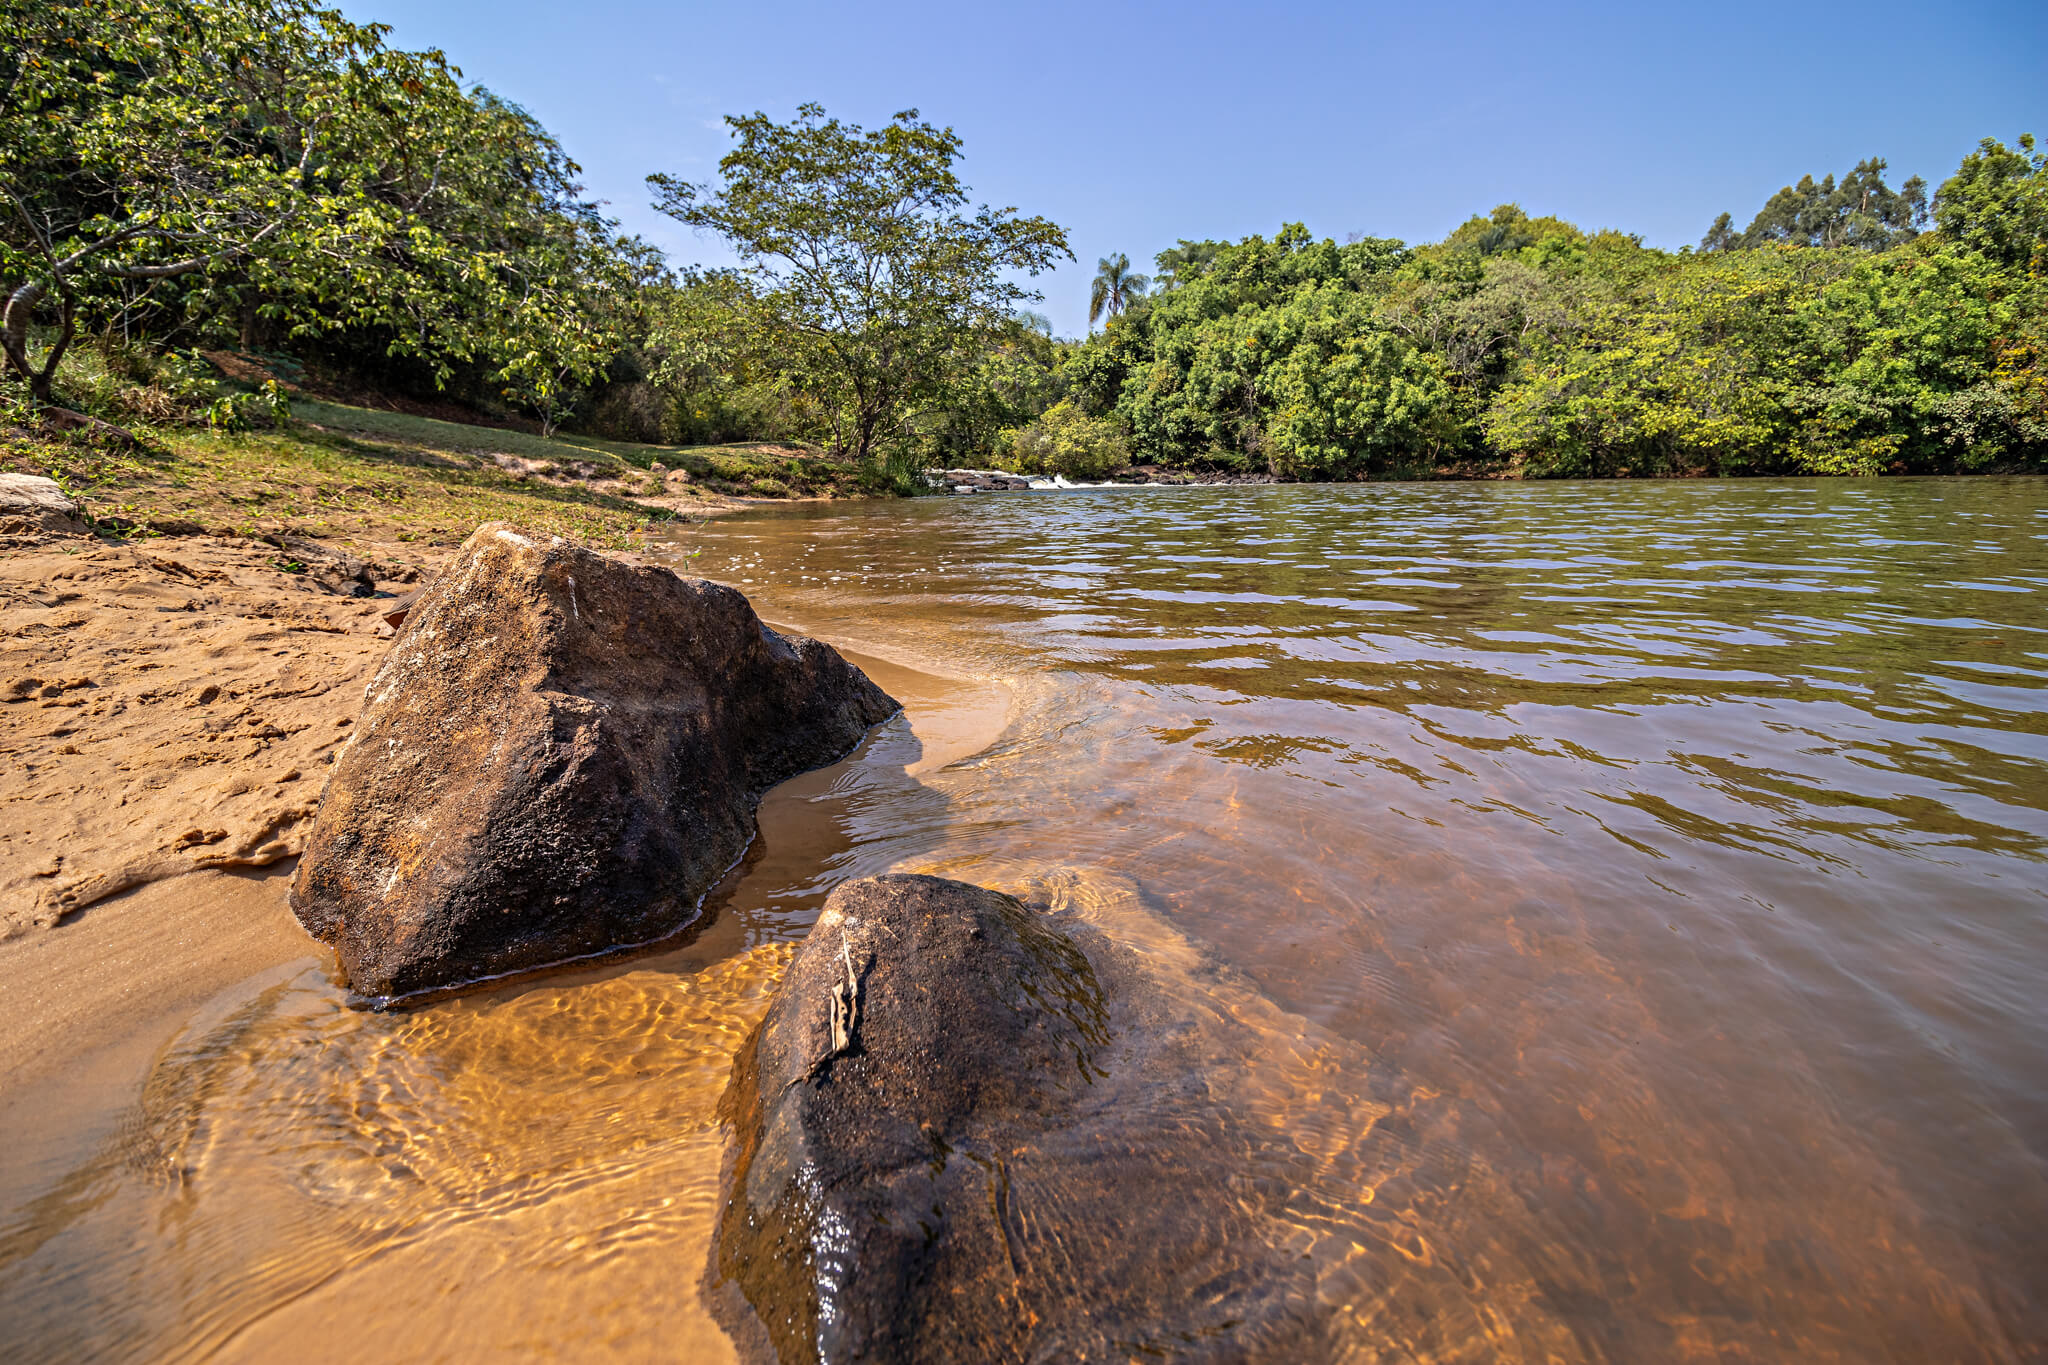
758, 469
256, 483
367, 475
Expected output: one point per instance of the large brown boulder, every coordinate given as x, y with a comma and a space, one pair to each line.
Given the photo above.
967, 1130
560, 755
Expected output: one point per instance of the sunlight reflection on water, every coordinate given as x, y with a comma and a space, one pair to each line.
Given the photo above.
1672, 854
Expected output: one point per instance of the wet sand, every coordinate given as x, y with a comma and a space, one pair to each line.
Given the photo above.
514, 1223
123, 974
120, 976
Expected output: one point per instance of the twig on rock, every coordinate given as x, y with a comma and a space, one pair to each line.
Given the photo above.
845, 1016
845, 1005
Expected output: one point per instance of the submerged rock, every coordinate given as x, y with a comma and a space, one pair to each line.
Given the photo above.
971, 1131
560, 755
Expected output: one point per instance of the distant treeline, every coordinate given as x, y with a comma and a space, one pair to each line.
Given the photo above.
1840, 333
1849, 329
267, 176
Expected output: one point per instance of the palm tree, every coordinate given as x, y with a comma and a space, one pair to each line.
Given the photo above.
1117, 287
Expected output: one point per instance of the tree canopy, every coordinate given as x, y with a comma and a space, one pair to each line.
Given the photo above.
270, 174
273, 162
1835, 336
1115, 289
866, 258
1859, 211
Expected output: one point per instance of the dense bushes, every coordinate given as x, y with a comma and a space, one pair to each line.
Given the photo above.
1064, 440
1527, 346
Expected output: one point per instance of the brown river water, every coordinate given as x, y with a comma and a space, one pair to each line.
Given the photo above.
1629, 901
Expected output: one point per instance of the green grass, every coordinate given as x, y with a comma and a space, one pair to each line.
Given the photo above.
329, 457
743, 469
363, 475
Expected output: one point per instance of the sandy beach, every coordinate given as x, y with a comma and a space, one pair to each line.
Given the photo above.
173, 708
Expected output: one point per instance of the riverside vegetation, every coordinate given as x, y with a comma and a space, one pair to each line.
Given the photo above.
268, 184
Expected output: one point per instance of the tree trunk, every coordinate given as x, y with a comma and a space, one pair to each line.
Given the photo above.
251, 328
21, 303
14, 336
64, 419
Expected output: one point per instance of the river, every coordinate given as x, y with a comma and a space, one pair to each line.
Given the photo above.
1637, 894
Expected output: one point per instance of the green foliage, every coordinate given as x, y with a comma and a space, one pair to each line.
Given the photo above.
1012, 381
1996, 204
1184, 261
1508, 229
266, 174
1832, 337
1860, 211
269, 165
1273, 356
725, 365
868, 272
896, 471
242, 411
1882, 352
1116, 289
1064, 440
1773, 361
1676, 380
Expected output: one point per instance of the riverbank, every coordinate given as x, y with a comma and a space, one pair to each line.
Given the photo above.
140, 946
173, 687
1447, 796
190, 1025
196, 682
171, 703
358, 476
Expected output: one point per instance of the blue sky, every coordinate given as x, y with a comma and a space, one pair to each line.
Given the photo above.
1132, 125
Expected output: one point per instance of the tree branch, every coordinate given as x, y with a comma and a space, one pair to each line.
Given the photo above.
187, 266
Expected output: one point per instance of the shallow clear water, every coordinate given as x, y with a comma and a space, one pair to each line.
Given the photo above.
1628, 903
1667, 859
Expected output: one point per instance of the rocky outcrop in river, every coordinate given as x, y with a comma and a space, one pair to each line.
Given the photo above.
560, 755
968, 1130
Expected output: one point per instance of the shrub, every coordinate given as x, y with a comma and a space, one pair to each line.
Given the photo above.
632, 411
1064, 440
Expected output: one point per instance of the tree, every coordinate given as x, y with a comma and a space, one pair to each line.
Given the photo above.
1273, 356
1997, 204
269, 159
1115, 289
1064, 440
1860, 211
1678, 378
1013, 382
863, 249
1184, 261
1889, 367
724, 369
